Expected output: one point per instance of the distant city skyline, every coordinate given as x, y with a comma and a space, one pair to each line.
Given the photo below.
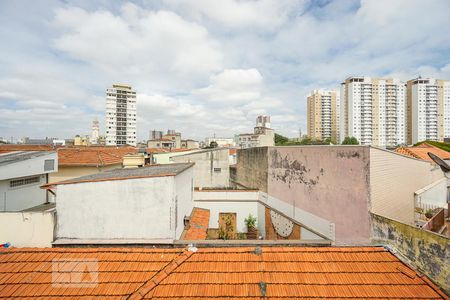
203, 67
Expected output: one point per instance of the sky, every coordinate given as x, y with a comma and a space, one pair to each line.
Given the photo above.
203, 67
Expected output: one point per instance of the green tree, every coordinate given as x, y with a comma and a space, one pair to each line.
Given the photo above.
350, 141
280, 140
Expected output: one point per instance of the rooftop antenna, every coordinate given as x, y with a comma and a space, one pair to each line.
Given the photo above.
441, 163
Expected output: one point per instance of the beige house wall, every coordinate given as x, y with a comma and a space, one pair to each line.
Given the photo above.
27, 229
393, 180
69, 172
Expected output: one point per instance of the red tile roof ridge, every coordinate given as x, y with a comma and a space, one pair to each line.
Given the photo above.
90, 250
146, 289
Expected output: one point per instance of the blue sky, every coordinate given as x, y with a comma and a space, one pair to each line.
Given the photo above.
202, 66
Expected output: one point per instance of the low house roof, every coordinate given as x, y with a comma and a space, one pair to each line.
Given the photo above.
24, 147
93, 156
421, 152
129, 173
79, 155
210, 273
198, 224
17, 156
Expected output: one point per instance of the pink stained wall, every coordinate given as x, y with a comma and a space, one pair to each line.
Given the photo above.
331, 182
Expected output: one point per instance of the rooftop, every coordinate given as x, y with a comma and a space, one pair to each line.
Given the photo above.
17, 156
198, 224
210, 273
421, 152
130, 173
93, 156
14, 147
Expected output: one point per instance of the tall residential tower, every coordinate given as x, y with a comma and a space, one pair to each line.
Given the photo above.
323, 115
120, 115
373, 110
428, 109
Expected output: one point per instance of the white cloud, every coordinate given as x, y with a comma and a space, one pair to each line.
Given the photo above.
156, 48
204, 67
233, 86
264, 14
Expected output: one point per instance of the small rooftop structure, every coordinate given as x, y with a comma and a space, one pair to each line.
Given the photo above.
129, 173
212, 273
18, 156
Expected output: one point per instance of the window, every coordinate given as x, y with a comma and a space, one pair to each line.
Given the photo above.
24, 181
49, 165
217, 170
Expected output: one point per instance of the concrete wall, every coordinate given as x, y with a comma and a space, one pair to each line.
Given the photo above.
252, 168
27, 229
426, 251
122, 209
394, 179
328, 182
69, 172
184, 192
22, 197
206, 162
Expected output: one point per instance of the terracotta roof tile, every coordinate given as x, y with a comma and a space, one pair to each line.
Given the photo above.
198, 225
421, 152
13, 147
213, 273
93, 156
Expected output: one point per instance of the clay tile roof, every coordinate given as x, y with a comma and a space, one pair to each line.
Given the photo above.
198, 225
210, 273
421, 152
13, 147
93, 156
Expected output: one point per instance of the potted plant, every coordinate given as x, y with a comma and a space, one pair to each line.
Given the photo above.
429, 213
252, 232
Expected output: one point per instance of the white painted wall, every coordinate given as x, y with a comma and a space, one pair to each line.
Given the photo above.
244, 203
320, 225
29, 167
241, 203
21, 197
164, 158
121, 209
206, 162
184, 189
434, 194
27, 229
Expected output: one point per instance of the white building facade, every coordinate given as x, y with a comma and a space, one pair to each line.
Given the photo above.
373, 110
120, 115
262, 135
147, 203
428, 109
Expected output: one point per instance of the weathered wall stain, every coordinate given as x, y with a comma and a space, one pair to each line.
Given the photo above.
426, 251
347, 154
290, 171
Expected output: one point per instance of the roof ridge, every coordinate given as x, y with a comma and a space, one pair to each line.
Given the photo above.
162, 274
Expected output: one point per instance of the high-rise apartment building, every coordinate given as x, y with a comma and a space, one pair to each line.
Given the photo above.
323, 115
95, 131
373, 110
428, 107
120, 115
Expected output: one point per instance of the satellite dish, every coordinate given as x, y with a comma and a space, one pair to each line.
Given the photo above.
440, 162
